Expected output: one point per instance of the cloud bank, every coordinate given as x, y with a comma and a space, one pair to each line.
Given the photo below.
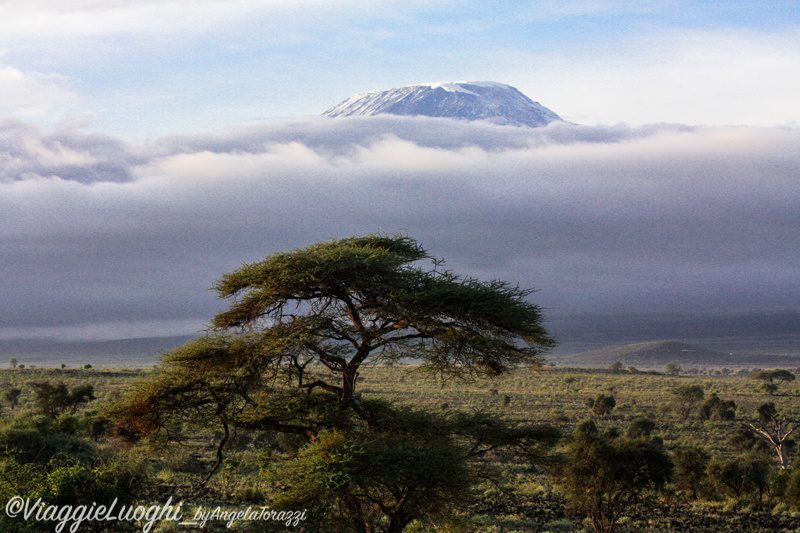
603, 219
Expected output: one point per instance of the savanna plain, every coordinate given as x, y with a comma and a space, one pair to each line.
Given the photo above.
718, 473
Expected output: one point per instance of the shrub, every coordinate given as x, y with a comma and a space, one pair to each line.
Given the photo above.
604, 404
717, 409
603, 475
691, 464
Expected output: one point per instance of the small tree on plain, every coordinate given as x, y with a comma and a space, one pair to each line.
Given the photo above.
772, 379
691, 464
672, 369
12, 397
686, 398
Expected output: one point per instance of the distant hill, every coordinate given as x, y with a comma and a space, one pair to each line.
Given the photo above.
649, 354
137, 353
657, 354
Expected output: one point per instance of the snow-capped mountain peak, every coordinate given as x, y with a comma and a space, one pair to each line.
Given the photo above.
474, 100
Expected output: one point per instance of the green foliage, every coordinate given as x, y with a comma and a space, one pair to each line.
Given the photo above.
69, 482
691, 464
39, 460
379, 478
52, 400
739, 478
603, 475
603, 404
32, 446
768, 388
12, 397
301, 324
672, 369
717, 409
686, 398
787, 487
640, 428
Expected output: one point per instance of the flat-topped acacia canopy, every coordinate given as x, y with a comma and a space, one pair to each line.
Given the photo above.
338, 305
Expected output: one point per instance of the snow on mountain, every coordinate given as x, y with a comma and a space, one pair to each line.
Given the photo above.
474, 100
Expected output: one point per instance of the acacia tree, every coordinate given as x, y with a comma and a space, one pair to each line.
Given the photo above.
769, 378
305, 321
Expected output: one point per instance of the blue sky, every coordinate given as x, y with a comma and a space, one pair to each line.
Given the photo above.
142, 69
148, 146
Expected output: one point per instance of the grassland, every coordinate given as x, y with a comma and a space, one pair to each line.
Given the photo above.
524, 498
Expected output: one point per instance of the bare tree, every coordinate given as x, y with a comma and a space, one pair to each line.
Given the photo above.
774, 429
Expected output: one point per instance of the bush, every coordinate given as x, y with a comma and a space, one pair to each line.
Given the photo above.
604, 404
739, 478
717, 409
691, 464
392, 476
603, 475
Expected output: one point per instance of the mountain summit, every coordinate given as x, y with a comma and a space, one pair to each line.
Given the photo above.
473, 100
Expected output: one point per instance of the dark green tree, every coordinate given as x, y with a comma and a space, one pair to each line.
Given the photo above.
52, 400
686, 398
716, 408
286, 356
640, 428
12, 397
772, 379
739, 477
406, 465
301, 324
786, 486
604, 475
691, 464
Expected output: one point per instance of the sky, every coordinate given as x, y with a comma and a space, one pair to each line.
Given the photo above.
147, 147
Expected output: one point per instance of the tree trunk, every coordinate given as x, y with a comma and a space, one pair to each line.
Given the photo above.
346, 397
784, 459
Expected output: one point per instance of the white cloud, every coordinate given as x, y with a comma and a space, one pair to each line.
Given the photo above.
698, 77
50, 18
600, 219
29, 94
